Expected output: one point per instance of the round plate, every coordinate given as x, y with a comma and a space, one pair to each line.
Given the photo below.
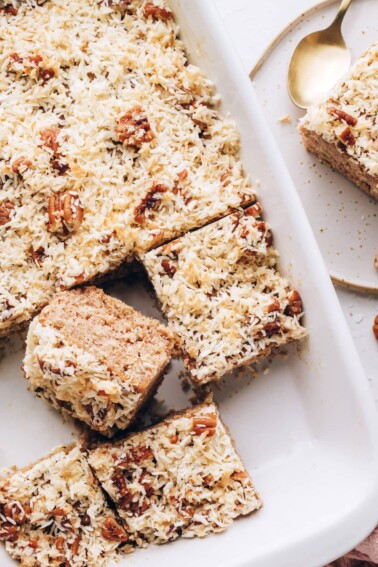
344, 219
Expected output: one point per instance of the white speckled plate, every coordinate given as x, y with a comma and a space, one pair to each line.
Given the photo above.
343, 218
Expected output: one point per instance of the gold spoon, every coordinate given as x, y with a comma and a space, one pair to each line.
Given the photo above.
318, 62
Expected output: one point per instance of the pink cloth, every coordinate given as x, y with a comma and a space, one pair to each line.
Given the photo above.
364, 555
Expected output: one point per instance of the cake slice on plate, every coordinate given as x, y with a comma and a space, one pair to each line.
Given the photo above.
342, 131
181, 477
220, 289
53, 513
96, 358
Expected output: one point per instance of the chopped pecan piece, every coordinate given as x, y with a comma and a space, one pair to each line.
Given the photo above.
294, 306
254, 210
38, 255
59, 543
124, 502
157, 13
149, 202
58, 512
182, 175
65, 212
33, 543
347, 137
113, 531
59, 166
20, 163
49, 139
274, 306
269, 329
205, 424
9, 532
75, 545
6, 209
145, 480
120, 482
134, 129
375, 327
46, 75
348, 118
268, 236
17, 512
169, 268
136, 455
239, 475
120, 6
11, 10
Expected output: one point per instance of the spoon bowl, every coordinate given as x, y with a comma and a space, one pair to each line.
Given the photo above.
318, 62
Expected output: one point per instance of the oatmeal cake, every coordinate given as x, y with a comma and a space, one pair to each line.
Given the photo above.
54, 513
342, 131
220, 289
96, 358
111, 143
181, 477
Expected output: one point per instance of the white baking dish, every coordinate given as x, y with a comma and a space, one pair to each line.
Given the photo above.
307, 431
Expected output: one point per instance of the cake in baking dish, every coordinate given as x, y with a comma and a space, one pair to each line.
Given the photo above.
111, 143
181, 477
220, 289
342, 131
96, 358
53, 513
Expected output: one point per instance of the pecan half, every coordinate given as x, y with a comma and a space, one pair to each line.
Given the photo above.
157, 13
294, 306
120, 482
169, 268
49, 139
20, 163
6, 208
38, 255
113, 531
65, 212
134, 129
348, 118
347, 137
375, 327
9, 532
204, 424
149, 202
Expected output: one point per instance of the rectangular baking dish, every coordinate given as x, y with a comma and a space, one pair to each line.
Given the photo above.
307, 430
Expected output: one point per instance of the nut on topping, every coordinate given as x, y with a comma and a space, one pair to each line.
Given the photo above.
9, 532
9, 10
20, 164
65, 213
113, 531
38, 255
6, 208
169, 268
254, 210
120, 482
149, 202
348, 118
120, 6
157, 13
294, 306
134, 129
204, 424
49, 139
347, 137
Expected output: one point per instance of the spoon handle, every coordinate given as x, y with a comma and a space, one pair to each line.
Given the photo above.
342, 11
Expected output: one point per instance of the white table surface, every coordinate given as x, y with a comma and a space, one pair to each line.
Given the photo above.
252, 25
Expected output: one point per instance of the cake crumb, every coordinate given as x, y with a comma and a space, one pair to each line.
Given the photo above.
285, 119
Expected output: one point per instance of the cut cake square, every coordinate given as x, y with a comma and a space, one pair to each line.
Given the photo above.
342, 131
181, 477
54, 513
220, 289
96, 358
